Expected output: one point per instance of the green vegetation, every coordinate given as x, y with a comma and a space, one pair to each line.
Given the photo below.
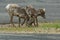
50, 25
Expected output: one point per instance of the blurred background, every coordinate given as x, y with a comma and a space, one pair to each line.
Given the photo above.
52, 9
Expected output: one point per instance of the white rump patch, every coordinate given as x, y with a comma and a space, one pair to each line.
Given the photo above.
7, 7
11, 5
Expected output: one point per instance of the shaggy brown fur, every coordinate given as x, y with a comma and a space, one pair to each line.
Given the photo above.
34, 14
15, 10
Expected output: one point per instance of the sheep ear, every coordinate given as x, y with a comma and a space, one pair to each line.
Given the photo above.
44, 9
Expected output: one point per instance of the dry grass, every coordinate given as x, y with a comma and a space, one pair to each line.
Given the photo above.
42, 28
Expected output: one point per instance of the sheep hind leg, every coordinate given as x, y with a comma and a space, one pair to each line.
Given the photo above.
11, 21
36, 22
19, 21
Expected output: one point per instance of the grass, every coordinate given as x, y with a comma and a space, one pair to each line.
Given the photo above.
50, 25
43, 27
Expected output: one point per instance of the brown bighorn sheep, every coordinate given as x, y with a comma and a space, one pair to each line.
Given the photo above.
16, 10
33, 13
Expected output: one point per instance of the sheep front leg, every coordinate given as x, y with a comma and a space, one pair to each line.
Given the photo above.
23, 21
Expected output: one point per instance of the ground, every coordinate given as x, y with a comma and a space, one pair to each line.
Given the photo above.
50, 28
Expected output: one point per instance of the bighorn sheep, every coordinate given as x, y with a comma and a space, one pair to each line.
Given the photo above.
33, 13
16, 10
